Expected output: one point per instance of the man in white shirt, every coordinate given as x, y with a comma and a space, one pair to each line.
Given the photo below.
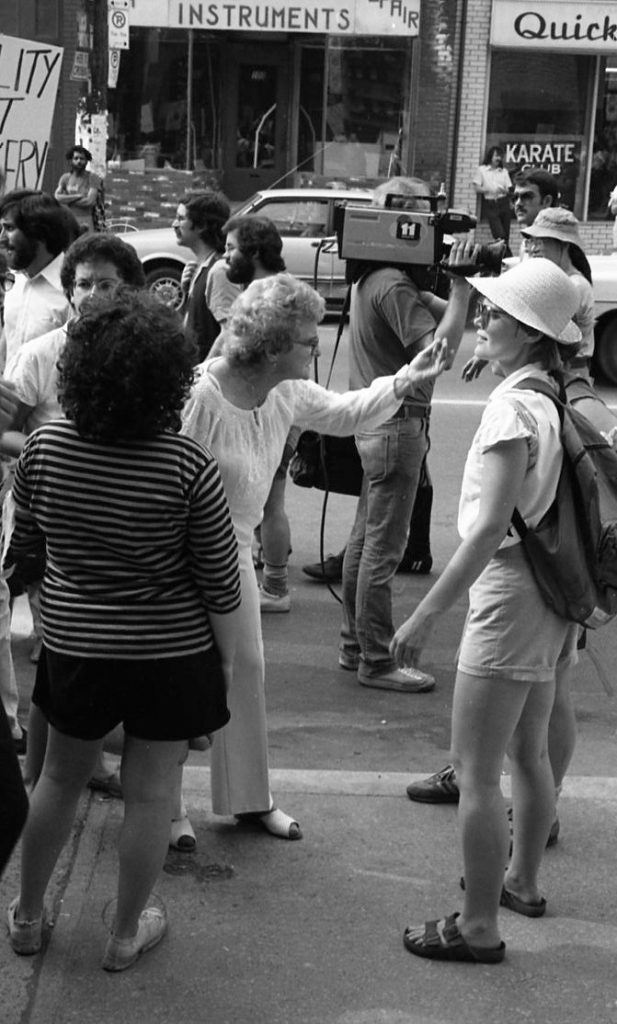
34, 230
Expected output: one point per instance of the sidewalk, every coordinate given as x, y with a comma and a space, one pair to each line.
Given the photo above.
268, 932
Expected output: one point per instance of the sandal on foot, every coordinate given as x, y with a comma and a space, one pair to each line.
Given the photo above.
447, 943
275, 821
182, 837
511, 901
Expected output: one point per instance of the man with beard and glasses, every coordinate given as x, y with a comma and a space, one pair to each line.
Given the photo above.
198, 224
34, 231
253, 248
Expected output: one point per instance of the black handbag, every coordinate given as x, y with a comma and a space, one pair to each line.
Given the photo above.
323, 461
327, 463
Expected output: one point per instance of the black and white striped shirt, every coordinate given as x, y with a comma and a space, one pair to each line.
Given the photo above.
140, 543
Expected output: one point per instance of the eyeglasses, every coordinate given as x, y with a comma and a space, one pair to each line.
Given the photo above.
312, 343
486, 313
7, 281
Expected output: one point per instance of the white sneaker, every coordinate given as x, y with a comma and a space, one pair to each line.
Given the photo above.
272, 602
26, 937
122, 953
407, 680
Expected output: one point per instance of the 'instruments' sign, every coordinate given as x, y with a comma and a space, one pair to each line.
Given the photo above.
349, 17
557, 25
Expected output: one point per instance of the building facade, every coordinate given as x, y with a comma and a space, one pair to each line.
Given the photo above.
540, 79
246, 94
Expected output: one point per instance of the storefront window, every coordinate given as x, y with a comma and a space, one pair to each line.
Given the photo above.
354, 128
604, 158
148, 109
538, 112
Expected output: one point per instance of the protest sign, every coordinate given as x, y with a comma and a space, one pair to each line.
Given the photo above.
29, 76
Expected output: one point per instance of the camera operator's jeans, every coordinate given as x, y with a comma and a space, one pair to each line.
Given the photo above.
392, 457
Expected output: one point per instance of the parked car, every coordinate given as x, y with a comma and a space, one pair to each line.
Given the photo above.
604, 277
304, 218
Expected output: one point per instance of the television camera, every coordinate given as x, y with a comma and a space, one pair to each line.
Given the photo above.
399, 234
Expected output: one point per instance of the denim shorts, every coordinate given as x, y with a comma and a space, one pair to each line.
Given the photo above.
155, 699
510, 633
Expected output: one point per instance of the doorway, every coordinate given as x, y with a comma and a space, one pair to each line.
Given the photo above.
256, 118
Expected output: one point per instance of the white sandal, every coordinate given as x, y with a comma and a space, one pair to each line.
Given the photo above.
275, 821
182, 836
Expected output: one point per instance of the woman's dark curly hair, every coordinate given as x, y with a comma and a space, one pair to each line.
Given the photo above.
126, 368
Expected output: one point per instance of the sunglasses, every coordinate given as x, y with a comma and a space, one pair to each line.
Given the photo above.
7, 281
486, 313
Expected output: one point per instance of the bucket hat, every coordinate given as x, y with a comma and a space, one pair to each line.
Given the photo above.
537, 293
555, 222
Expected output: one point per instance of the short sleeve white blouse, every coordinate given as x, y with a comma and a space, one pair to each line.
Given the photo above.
510, 414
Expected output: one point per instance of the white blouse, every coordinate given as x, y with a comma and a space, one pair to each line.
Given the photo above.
510, 414
248, 443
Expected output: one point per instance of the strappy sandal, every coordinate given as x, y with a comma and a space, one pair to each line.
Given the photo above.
511, 901
447, 943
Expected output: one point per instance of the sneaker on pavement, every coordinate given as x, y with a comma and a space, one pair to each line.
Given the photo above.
440, 788
108, 785
273, 602
122, 953
330, 572
26, 937
407, 680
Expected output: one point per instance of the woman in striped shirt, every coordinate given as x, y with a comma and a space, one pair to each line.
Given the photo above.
139, 599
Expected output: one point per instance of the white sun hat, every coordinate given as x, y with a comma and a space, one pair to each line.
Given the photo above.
537, 293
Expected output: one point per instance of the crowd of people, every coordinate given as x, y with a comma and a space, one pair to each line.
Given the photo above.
143, 448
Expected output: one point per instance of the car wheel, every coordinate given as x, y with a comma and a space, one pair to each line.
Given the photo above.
605, 353
164, 283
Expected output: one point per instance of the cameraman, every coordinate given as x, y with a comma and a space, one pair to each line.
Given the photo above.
391, 320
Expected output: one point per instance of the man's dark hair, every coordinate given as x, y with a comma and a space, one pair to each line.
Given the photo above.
41, 218
207, 212
547, 184
87, 155
258, 237
126, 369
98, 246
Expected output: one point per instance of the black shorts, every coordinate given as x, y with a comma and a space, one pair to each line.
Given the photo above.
155, 699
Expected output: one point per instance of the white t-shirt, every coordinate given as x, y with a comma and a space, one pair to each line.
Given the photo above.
33, 306
34, 373
510, 414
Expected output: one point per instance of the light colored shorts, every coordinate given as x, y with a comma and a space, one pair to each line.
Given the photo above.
510, 633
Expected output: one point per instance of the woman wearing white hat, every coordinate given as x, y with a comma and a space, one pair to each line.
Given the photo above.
554, 235
512, 642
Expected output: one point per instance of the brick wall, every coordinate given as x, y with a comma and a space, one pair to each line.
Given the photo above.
148, 199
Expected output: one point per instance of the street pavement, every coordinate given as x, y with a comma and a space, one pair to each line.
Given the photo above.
264, 931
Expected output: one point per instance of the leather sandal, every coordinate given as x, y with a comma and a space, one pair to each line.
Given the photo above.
442, 940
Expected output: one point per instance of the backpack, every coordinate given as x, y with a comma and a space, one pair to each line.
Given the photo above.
573, 549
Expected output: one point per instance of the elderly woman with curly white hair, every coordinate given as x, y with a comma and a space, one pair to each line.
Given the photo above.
242, 407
